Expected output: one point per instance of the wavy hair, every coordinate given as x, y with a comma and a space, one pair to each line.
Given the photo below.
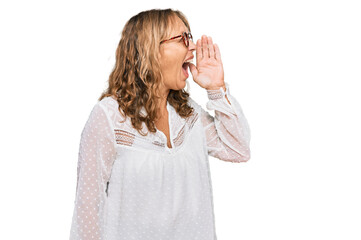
136, 77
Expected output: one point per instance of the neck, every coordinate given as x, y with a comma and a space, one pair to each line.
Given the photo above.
163, 105
163, 100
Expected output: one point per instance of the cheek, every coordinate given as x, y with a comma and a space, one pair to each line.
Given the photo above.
170, 65
172, 60
167, 60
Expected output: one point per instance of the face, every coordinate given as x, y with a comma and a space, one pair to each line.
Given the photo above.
173, 54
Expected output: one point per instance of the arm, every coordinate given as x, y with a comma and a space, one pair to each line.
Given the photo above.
96, 156
227, 134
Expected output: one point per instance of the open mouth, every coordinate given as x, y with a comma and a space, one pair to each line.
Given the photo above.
185, 68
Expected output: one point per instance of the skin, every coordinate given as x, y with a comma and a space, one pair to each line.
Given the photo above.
208, 72
173, 53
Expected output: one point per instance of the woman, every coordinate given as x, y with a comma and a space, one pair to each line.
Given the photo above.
143, 168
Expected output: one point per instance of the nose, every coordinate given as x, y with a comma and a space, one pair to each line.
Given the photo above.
191, 46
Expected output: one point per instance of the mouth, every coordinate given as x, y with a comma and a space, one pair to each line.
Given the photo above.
185, 66
185, 69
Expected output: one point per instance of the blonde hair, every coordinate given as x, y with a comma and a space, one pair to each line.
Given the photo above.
136, 77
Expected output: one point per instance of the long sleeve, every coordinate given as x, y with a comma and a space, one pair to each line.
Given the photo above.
95, 159
227, 133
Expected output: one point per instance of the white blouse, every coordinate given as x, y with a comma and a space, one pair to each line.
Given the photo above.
134, 187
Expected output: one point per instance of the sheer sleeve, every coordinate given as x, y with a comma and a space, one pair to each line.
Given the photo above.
95, 159
227, 133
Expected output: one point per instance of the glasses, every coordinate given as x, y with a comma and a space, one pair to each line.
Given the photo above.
185, 36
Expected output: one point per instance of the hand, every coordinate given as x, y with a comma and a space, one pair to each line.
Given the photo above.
209, 72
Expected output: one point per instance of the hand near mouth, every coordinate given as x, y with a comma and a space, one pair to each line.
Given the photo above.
209, 72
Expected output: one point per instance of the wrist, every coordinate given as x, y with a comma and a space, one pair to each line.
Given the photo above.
217, 88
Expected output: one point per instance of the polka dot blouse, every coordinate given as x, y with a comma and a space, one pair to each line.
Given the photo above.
134, 187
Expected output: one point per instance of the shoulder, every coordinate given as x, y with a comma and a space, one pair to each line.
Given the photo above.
109, 104
104, 109
114, 114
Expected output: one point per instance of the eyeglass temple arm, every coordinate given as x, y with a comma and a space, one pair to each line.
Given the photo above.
171, 38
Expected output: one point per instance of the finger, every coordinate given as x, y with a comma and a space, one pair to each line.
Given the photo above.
194, 70
199, 54
217, 53
205, 50
210, 47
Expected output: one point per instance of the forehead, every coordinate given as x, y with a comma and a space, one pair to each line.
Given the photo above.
177, 26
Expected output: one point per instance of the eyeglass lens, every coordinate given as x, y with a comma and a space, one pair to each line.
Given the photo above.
186, 37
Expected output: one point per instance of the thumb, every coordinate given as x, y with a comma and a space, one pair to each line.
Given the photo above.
194, 70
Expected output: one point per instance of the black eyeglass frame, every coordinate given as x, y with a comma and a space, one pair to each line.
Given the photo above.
185, 36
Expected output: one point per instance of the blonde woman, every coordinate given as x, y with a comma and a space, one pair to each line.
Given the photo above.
143, 170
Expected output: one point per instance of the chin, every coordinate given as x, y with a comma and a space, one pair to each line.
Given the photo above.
180, 86
184, 83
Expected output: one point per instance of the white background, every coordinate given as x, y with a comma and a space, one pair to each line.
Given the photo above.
294, 67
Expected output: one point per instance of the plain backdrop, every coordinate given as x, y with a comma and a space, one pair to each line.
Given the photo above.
294, 67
